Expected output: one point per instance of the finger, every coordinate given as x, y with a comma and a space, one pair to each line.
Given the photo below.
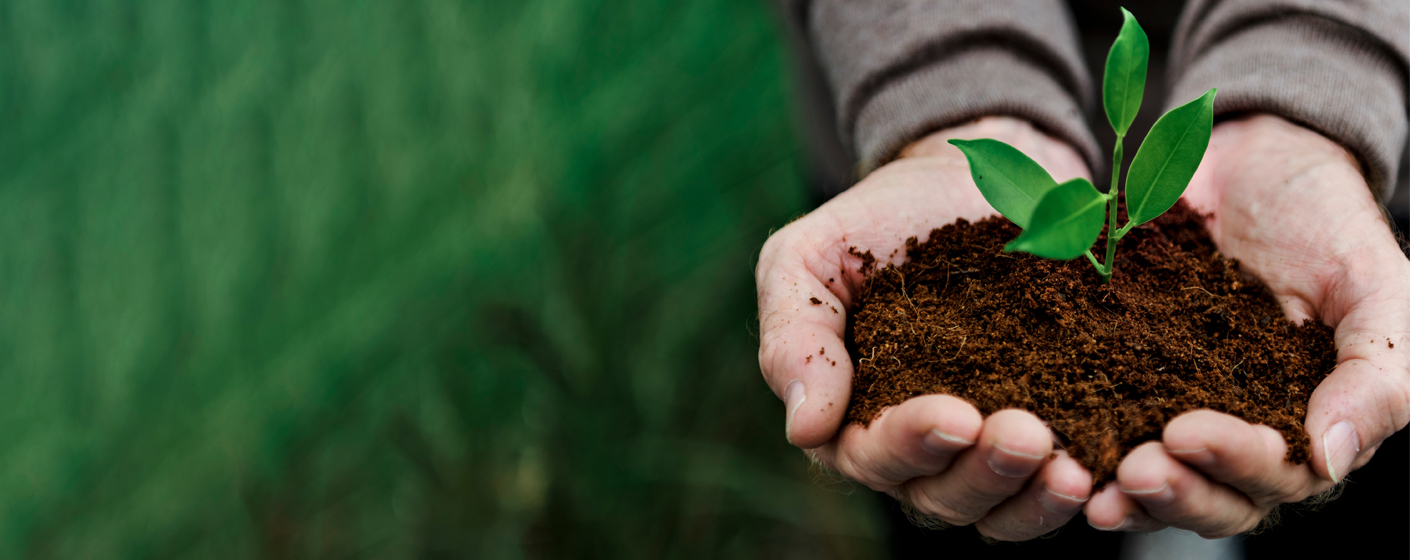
1111, 510
1249, 458
801, 323
1012, 446
919, 437
1049, 501
1177, 495
1367, 397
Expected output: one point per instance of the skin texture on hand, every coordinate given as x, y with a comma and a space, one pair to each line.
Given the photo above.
935, 452
1294, 209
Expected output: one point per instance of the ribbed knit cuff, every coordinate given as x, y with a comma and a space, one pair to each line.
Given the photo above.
900, 69
1325, 75
966, 86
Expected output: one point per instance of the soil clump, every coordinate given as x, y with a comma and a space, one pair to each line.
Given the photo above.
1107, 366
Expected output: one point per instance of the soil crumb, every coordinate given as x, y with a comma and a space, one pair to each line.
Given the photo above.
1177, 329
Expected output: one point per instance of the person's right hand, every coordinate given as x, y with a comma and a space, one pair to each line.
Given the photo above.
936, 451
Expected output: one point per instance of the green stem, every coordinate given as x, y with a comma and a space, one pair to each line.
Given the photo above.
1111, 235
1120, 233
1093, 259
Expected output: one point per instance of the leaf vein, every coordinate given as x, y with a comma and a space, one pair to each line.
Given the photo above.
1165, 164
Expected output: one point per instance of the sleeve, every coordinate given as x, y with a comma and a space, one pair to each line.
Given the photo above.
1339, 68
901, 69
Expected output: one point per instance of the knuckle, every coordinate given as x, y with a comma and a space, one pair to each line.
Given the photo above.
1183, 513
1230, 529
1204, 517
770, 351
855, 470
1271, 490
1285, 492
994, 532
1008, 532
1253, 522
938, 507
773, 359
1249, 478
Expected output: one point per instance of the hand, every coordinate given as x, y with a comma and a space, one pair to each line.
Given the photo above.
936, 451
1293, 207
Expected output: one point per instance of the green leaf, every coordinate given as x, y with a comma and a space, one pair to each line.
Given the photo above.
1168, 158
1066, 222
1125, 79
1011, 182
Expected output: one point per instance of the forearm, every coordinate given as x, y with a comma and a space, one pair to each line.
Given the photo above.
1335, 67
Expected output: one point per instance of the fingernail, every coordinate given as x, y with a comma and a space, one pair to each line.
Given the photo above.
793, 397
1012, 464
941, 443
1061, 504
1126, 522
1341, 445
1155, 496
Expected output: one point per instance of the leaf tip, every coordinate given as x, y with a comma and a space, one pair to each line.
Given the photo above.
1130, 19
1207, 100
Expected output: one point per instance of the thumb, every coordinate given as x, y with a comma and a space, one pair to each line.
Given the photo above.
801, 323
1367, 397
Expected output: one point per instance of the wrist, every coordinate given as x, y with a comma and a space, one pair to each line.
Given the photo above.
1286, 148
1265, 153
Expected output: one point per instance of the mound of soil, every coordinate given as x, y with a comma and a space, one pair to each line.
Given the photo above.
1177, 329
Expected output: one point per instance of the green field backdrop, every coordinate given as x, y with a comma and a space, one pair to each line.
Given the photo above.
425, 278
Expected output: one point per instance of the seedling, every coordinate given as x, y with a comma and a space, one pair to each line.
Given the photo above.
1062, 221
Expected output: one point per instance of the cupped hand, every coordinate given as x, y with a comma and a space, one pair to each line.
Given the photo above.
1294, 209
936, 452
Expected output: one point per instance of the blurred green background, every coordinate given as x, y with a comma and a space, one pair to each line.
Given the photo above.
427, 278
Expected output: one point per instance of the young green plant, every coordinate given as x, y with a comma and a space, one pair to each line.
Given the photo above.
1063, 221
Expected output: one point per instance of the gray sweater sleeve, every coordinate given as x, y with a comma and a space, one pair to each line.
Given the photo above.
901, 69
1337, 67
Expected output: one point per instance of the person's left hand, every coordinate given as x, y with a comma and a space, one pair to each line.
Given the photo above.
1294, 209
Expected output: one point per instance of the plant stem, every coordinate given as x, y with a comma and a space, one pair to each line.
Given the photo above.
1093, 259
1111, 234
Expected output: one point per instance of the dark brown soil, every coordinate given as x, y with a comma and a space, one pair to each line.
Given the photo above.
1177, 329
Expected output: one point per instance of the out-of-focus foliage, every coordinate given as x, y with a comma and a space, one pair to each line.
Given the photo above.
426, 278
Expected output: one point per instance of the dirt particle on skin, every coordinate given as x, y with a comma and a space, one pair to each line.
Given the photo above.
809, 359
1389, 344
822, 350
834, 363
829, 280
1034, 334
815, 301
834, 310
